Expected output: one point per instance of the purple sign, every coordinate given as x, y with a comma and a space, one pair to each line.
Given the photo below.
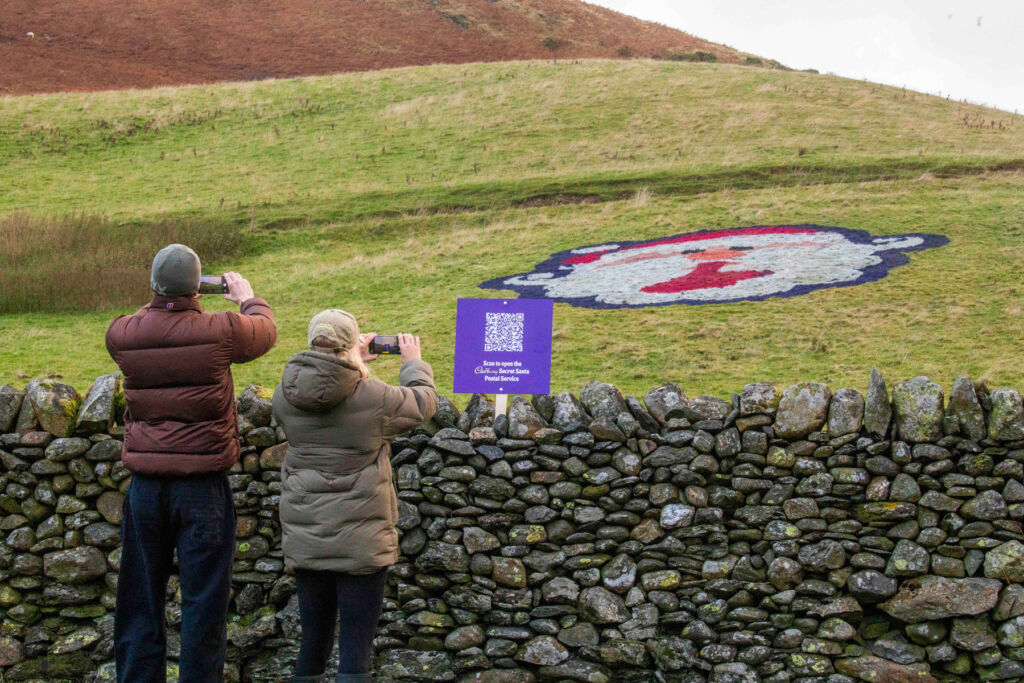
503, 346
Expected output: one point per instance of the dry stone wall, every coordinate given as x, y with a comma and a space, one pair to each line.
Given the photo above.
797, 535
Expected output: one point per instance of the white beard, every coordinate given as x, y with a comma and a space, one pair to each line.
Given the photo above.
835, 262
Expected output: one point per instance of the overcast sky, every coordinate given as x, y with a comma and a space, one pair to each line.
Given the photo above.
966, 49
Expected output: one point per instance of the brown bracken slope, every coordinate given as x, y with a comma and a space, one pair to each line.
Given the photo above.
114, 44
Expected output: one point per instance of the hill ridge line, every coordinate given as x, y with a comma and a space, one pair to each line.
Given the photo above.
594, 190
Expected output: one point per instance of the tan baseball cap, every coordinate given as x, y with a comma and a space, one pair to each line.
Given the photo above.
334, 324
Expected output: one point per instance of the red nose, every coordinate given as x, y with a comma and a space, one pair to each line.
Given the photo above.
707, 275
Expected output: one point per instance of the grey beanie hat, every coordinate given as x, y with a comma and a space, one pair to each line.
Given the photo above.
176, 271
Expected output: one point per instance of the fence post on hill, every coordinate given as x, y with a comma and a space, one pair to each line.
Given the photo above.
502, 347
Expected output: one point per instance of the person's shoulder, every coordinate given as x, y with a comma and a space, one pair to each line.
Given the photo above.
370, 385
119, 322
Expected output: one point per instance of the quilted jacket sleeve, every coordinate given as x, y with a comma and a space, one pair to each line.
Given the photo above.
253, 331
411, 403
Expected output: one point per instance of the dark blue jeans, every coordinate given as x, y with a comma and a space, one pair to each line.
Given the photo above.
195, 516
326, 598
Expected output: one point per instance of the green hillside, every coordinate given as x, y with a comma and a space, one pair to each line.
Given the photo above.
393, 193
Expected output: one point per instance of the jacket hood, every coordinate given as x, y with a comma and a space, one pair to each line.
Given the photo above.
317, 382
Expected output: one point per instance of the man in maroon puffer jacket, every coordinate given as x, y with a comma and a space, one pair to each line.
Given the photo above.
181, 435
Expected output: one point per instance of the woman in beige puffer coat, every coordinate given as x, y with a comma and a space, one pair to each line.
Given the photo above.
338, 502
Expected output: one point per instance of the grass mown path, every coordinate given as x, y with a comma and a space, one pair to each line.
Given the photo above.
392, 194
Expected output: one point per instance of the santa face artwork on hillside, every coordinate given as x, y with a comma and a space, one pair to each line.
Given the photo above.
716, 266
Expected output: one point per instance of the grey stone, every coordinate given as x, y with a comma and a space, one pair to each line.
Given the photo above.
477, 540
255, 405
416, 665
577, 670
927, 598
664, 580
802, 410
600, 606
492, 487
98, 408
927, 632
248, 548
918, 410
665, 402
1006, 420
1011, 603
626, 461
845, 412
870, 586
708, 408
109, 450
602, 400
56, 406
641, 419
10, 406
806, 664
11, 650
65, 449
77, 565
523, 420
624, 652
835, 628
1005, 669
905, 488
606, 430
966, 410
785, 572
26, 420
973, 635
1011, 633
733, 672
568, 412
542, 651
676, 515
759, 398
877, 407
908, 559
445, 557
988, 505
940, 502
102, 535
57, 667
465, 637
583, 634
561, 590
619, 575
896, 649
872, 668
1006, 562
447, 414
881, 512
672, 653
509, 571
822, 556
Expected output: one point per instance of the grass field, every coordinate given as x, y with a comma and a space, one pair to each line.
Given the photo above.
392, 194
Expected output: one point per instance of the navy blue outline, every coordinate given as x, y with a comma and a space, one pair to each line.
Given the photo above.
890, 259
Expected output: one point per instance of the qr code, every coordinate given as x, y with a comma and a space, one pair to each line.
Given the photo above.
504, 332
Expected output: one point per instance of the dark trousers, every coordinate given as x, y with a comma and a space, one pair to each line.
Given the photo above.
196, 516
352, 600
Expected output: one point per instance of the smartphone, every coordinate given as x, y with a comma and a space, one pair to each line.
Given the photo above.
213, 284
385, 344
